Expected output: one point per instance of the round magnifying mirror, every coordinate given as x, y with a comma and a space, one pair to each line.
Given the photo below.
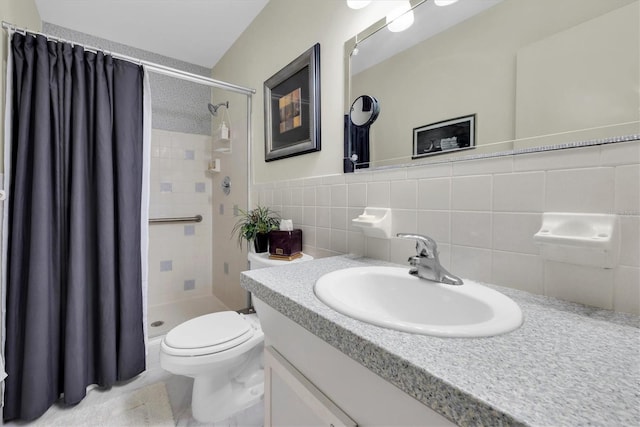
364, 111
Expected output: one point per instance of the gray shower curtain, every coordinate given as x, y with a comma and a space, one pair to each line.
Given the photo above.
73, 291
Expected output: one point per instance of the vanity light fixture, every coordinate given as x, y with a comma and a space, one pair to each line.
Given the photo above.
358, 4
444, 2
400, 18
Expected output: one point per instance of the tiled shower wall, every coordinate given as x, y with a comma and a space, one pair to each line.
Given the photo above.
483, 214
179, 253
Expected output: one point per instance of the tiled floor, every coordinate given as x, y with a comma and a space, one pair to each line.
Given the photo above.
178, 391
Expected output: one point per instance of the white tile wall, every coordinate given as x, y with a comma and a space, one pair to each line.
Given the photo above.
471, 229
483, 214
403, 220
436, 224
471, 193
378, 194
627, 188
630, 236
357, 195
403, 194
586, 285
434, 193
588, 190
518, 192
339, 195
179, 254
520, 271
512, 232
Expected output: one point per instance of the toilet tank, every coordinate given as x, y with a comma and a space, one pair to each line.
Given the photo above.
262, 260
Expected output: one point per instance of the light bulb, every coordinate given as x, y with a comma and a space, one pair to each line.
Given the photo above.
444, 2
357, 4
400, 18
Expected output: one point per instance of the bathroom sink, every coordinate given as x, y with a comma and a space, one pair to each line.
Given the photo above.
392, 298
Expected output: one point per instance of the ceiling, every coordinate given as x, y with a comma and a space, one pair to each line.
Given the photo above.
194, 31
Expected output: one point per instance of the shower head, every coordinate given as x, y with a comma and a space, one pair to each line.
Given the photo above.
213, 109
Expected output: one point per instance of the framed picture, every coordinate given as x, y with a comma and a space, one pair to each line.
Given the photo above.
449, 135
292, 108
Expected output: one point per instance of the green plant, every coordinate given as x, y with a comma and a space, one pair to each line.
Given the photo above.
253, 222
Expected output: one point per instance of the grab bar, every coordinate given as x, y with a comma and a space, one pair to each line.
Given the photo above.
197, 218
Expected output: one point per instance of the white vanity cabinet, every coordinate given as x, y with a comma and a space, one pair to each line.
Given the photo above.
309, 382
292, 400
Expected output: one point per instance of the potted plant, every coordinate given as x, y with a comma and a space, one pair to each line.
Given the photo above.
254, 225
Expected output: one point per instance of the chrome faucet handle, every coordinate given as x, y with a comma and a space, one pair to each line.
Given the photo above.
426, 264
425, 245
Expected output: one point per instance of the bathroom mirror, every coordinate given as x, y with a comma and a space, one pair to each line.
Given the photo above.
532, 73
364, 111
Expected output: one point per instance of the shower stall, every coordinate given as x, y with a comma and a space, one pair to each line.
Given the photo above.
194, 265
197, 181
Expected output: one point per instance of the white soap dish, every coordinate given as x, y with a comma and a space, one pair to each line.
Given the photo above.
375, 222
578, 238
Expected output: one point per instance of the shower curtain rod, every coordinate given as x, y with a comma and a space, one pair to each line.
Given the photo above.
151, 66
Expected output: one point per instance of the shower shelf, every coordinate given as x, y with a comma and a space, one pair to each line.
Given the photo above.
224, 145
214, 166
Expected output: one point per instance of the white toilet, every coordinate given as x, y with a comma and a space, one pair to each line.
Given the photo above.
222, 352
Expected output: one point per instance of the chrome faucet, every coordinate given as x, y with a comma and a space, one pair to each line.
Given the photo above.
426, 264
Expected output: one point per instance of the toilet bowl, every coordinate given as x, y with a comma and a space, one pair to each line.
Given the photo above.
222, 352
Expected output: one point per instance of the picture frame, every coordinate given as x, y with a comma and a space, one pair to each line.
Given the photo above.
444, 136
292, 108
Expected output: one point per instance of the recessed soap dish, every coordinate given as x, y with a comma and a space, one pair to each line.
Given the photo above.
578, 238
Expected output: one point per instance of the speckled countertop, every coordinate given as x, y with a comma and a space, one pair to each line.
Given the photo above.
568, 365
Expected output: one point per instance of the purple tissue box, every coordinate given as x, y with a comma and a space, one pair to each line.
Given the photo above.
285, 243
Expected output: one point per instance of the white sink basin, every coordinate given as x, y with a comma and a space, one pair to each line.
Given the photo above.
392, 298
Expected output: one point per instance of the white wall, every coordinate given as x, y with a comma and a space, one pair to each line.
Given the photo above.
282, 31
483, 212
22, 13
589, 81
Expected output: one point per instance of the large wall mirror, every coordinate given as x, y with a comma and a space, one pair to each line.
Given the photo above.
531, 73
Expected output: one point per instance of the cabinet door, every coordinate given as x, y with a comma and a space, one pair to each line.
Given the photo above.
292, 400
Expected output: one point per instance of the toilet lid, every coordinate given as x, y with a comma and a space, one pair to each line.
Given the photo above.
210, 330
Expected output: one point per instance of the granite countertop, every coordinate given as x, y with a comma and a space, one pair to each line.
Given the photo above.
567, 365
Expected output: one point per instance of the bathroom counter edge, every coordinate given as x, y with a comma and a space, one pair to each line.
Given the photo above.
567, 365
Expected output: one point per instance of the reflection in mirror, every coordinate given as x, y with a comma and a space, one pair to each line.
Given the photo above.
364, 111
450, 135
535, 73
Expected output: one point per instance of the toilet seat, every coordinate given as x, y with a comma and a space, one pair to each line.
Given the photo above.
208, 334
